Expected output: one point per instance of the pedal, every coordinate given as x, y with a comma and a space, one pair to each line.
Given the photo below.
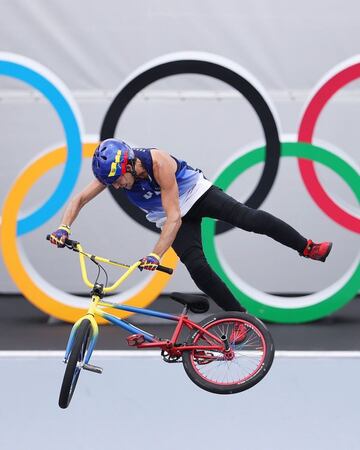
135, 339
92, 368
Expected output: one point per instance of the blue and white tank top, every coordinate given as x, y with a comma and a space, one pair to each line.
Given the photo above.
146, 194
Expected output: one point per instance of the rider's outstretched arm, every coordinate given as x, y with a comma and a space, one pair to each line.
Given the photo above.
73, 208
79, 201
170, 202
164, 168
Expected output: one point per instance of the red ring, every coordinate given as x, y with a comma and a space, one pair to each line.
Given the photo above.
306, 130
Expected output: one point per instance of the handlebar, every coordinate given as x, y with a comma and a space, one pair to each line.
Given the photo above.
74, 245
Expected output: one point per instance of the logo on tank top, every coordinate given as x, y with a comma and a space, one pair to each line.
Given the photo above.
150, 194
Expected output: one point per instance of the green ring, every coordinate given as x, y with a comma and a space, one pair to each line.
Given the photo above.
323, 306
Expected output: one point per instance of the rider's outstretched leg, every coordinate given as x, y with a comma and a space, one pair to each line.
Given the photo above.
219, 205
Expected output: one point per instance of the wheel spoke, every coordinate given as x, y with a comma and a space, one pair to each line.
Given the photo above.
246, 358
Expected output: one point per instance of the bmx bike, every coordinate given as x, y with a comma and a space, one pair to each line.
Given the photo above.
226, 353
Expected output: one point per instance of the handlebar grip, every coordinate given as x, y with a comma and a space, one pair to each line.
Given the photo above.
165, 269
68, 242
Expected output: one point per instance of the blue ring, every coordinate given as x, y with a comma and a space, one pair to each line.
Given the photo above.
73, 141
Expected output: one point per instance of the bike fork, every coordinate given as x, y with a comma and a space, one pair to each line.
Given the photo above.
95, 333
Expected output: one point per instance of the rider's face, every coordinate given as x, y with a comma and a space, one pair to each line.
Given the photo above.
125, 181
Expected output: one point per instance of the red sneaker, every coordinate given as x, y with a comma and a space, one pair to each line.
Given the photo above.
319, 252
238, 334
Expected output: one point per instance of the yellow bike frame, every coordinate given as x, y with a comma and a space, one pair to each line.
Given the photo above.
97, 304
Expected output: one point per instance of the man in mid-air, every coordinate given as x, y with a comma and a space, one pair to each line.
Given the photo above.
176, 197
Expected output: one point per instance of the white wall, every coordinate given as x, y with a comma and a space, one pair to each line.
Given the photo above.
144, 403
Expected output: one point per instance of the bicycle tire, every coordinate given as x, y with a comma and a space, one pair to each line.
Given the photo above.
77, 355
262, 347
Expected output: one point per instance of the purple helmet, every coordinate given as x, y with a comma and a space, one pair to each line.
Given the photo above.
110, 160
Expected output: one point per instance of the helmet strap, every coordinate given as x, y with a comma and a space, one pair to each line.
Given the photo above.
132, 170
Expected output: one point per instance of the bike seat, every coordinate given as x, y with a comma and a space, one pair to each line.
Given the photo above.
197, 303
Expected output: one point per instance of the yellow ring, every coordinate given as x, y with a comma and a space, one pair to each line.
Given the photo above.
32, 291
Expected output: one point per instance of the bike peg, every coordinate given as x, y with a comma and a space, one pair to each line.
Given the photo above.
91, 368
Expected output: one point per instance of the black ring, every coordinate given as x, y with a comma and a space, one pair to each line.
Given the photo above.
219, 72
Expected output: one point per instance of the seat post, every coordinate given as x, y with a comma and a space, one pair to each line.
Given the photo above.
185, 310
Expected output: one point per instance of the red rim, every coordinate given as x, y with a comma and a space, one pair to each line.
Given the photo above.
239, 350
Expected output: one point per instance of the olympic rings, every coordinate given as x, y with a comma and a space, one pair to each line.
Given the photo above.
67, 307
59, 96
215, 67
272, 307
350, 70
37, 290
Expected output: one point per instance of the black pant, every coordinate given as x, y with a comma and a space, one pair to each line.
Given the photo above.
218, 205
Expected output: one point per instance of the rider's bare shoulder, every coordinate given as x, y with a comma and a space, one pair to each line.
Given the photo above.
163, 162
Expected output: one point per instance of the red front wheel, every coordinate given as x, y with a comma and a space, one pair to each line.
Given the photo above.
246, 357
